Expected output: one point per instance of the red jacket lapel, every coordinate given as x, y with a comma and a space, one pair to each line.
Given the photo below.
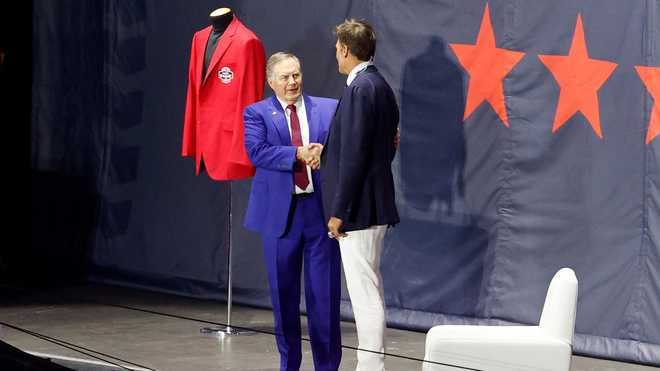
223, 45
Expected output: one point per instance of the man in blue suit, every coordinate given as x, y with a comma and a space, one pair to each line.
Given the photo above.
282, 136
358, 187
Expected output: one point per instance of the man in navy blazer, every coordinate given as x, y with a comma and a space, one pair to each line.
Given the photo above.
357, 182
282, 138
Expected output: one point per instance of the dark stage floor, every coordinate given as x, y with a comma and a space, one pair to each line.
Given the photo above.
162, 332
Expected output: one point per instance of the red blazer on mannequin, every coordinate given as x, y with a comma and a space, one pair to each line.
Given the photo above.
213, 124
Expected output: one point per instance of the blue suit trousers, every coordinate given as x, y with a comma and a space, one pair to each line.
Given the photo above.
305, 241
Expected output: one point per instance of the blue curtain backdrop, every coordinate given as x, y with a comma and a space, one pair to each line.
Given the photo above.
492, 203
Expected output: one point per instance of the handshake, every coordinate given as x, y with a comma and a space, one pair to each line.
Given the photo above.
310, 155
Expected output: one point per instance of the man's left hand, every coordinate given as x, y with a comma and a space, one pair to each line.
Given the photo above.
334, 225
397, 139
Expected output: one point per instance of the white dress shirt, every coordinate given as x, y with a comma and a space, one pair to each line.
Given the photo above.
304, 132
357, 69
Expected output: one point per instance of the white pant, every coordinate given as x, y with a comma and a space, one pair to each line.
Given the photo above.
360, 255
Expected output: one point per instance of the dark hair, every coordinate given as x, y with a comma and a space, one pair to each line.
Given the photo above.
359, 37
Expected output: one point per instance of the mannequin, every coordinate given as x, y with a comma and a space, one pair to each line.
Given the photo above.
221, 17
226, 73
220, 20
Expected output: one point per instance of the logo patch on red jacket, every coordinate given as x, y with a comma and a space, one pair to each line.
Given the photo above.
225, 75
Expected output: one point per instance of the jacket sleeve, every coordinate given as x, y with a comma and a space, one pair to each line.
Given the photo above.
263, 154
251, 90
190, 118
357, 126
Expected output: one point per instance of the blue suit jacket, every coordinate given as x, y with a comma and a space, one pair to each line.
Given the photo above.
268, 145
357, 181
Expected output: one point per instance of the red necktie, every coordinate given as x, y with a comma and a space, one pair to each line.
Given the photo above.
299, 168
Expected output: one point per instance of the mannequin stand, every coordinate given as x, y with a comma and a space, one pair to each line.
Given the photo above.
224, 331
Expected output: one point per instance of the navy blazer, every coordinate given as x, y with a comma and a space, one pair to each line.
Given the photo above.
356, 164
268, 145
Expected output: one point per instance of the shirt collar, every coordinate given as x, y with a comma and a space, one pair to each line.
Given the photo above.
299, 103
357, 69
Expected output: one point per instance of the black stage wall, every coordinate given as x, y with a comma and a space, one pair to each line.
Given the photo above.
494, 200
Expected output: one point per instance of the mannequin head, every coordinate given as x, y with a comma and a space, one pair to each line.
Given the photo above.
220, 12
220, 19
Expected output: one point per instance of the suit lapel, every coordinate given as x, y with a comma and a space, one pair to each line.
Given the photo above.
201, 42
223, 44
279, 121
312, 119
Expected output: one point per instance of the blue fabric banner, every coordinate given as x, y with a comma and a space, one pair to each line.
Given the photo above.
530, 141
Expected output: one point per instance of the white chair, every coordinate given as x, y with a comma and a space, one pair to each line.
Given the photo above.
546, 347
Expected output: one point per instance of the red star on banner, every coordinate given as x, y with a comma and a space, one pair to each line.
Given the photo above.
487, 65
651, 78
579, 78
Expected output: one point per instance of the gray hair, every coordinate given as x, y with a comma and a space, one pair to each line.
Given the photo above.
274, 60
